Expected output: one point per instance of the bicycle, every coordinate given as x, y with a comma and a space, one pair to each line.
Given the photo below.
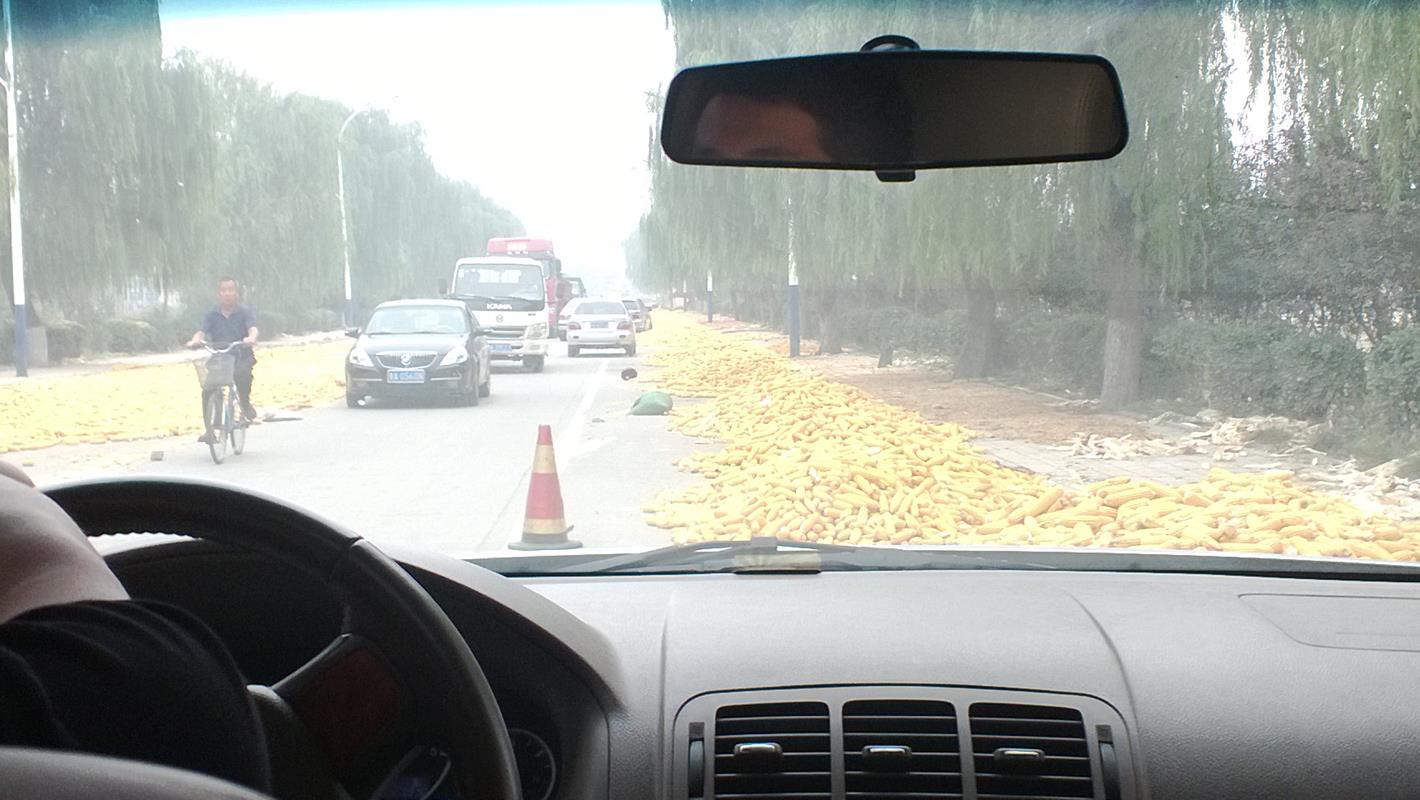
217, 375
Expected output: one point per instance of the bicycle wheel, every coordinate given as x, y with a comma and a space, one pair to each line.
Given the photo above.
236, 427
216, 425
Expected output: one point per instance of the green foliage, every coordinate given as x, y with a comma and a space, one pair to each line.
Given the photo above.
66, 339
1394, 380
131, 336
1055, 349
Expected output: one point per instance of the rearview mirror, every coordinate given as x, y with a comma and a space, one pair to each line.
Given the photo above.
353, 333
896, 111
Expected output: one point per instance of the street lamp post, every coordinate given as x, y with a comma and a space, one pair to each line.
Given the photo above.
344, 225
17, 239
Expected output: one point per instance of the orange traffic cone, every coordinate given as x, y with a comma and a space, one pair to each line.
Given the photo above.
544, 524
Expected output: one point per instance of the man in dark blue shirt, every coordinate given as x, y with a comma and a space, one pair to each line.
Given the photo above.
227, 322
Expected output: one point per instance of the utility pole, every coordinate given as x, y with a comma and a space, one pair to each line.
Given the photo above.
709, 297
793, 289
17, 238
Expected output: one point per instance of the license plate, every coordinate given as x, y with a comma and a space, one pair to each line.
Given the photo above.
500, 348
600, 324
404, 376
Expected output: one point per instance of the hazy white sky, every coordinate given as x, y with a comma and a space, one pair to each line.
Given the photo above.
542, 107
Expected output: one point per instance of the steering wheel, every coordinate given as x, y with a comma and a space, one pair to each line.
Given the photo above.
398, 673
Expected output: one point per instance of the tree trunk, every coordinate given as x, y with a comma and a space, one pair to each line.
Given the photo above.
885, 354
830, 340
1124, 333
978, 345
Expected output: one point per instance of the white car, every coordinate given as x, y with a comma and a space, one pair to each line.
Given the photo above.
599, 323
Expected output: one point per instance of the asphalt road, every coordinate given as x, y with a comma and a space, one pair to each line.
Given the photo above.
455, 479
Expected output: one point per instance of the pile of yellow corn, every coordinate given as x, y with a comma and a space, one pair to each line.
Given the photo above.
812, 460
140, 402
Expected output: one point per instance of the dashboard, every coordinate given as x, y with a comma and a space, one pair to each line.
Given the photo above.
895, 685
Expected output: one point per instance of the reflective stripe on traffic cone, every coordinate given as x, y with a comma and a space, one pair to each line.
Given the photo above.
544, 524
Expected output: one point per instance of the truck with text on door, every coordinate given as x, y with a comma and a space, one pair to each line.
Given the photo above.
507, 295
557, 288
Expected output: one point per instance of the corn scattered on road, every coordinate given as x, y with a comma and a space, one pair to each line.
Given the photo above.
143, 402
808, 459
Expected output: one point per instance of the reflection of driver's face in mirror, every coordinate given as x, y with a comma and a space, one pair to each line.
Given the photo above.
740, 128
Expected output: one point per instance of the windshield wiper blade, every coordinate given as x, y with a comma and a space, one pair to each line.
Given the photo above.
770, 554
696, 553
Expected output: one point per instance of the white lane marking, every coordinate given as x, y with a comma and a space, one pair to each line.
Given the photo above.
572, 434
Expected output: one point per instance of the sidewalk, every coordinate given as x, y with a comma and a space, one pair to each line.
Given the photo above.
84, 366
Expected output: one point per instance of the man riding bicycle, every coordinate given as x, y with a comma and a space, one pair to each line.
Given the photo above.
225, 323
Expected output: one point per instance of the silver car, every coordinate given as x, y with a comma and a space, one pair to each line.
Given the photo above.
599, 323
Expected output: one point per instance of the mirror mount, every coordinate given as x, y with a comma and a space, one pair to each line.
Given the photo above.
884, 43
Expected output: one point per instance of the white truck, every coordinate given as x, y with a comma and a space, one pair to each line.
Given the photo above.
507, 296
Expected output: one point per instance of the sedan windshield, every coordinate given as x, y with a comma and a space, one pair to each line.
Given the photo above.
594, 309
417, 319
1202, 351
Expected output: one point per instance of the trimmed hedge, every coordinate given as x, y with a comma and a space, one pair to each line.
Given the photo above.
936, 334
1057, 349
317, 320
66, 340
271, 324
131, 336
1256, 368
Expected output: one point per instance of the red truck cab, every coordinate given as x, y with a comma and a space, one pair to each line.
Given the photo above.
559, 290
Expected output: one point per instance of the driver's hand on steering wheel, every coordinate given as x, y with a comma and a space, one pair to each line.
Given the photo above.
44, 558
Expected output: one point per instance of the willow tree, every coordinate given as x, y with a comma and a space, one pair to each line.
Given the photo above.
1333, 175
145, 179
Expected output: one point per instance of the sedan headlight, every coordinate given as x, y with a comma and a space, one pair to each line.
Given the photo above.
360, 358
454, 357
537, 330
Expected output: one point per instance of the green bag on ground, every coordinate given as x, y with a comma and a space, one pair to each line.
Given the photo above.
652, 403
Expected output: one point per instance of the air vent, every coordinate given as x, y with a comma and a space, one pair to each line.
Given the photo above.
901, 750
773, 750
1029, 752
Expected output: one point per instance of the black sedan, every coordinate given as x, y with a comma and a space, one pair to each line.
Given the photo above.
415, 348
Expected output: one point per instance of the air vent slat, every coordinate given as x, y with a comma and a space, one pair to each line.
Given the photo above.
901, 750
792, 762
921, 762
1026, 752
778, 724
773, 751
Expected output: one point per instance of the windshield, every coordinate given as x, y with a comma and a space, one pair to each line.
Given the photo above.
416, 319
500, 281
1205, 350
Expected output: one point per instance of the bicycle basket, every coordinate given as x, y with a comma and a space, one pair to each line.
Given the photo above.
216, 371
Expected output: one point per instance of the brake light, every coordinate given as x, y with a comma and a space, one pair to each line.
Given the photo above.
574, 326
623, 326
